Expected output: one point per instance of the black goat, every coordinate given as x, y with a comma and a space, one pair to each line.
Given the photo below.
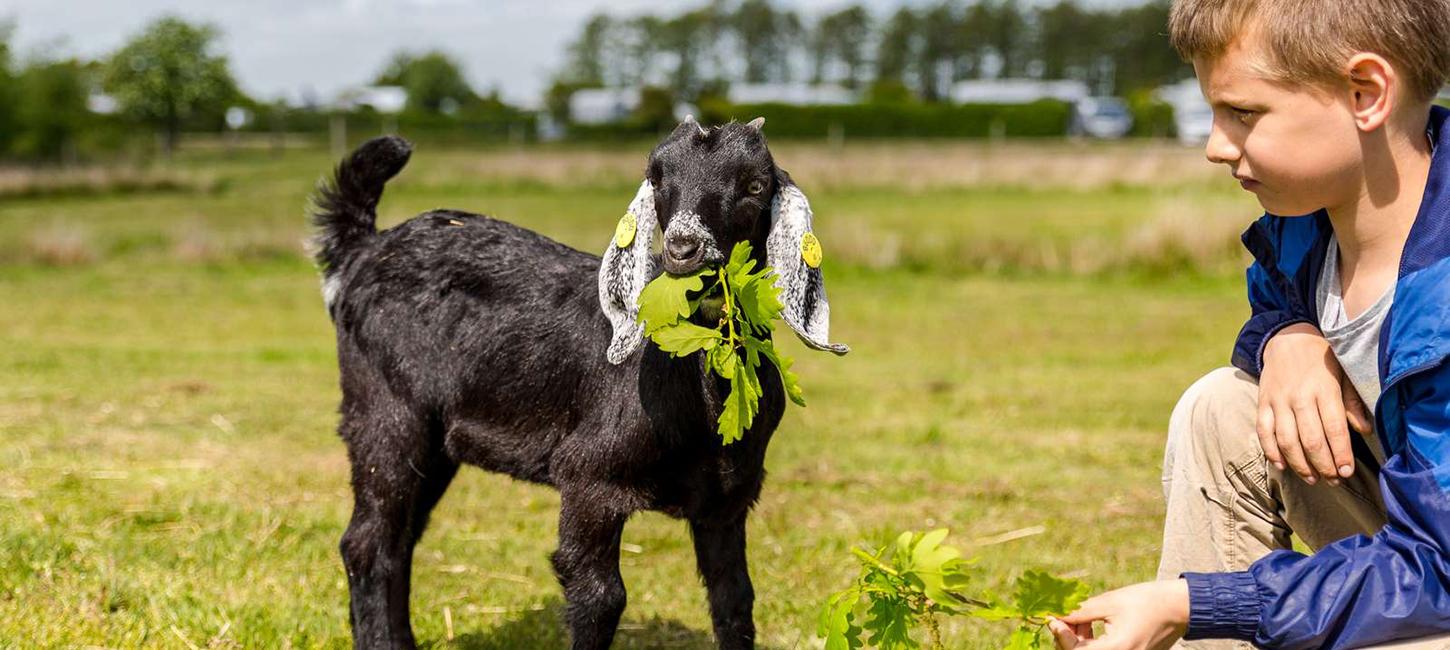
463, 339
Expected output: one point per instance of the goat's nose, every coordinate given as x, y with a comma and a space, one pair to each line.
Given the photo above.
682, 248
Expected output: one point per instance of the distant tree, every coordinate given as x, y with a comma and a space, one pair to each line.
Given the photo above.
689, 37
434, 81
853, 29
918, 49
52, 108
8, 92
645, 40
1009, 37
1142, 56
841, 38
586, 53
939, 48
170, 73
974, 31
765, 35
1066, 40
898, 46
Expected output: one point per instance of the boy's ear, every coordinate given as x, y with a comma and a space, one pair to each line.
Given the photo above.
1373, 86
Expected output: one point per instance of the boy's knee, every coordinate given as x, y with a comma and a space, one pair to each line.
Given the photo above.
1215, 418
1225, 390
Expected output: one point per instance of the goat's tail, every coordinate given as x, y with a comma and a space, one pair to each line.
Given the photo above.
344, 211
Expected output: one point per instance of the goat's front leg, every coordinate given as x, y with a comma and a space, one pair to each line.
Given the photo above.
587, 564
720, 555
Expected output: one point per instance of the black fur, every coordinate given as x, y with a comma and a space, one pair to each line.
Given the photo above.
466, 340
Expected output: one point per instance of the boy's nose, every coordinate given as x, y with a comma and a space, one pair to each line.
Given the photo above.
1219, 148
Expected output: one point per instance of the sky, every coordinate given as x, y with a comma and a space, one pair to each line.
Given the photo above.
293, 49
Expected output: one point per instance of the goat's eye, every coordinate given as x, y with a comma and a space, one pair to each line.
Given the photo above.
755, 187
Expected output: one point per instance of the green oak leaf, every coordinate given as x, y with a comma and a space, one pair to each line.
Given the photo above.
782, 364
1024, 638
838, 621
889, 621
683, 339
665, 300
1040, 594
750, 305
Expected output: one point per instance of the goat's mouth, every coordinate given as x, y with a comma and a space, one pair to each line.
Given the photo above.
688, 265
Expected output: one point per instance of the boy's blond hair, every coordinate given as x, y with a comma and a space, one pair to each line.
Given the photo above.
1310, 41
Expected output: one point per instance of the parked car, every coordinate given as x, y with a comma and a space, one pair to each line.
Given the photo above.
1101, 117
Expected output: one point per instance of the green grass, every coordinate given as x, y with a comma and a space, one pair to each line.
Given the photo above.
167, 405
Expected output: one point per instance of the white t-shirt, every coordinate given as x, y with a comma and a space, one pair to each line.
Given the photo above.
1356, 343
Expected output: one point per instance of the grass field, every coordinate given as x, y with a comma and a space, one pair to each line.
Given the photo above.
168, 390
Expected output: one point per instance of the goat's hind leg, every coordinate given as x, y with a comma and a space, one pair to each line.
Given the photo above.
720, 555
399, 472
587, 564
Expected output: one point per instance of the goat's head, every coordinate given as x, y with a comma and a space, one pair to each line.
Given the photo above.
707, 189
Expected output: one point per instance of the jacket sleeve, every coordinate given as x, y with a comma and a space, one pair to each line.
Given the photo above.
1271, 312
1361, 590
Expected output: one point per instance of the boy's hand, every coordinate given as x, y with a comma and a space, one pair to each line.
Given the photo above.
1306, 406
1146, 616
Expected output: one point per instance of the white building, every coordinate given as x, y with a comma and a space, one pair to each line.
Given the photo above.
1018, 91
795, 94
603, 105
383, 99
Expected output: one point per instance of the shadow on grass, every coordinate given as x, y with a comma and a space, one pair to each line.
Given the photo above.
544, 629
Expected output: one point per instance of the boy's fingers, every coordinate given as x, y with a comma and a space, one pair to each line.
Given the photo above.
1264, 426
1336, 431
1286, 432
1065, 636
1314, 442
1092, 609
1355, 409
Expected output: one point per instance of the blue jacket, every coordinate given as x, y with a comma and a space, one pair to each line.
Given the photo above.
1395, 584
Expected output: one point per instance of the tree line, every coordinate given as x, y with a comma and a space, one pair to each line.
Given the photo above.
170, 78
913, 53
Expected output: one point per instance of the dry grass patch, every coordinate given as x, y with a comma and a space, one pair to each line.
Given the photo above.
59, 244
45, 182
899, 165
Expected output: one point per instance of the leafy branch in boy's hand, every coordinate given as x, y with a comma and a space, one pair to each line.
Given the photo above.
907, 583
749, 303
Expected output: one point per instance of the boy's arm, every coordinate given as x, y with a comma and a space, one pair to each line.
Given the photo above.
1360, 590
1304, 400
1271, 312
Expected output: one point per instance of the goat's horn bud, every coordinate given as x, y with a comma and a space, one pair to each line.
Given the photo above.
756, 123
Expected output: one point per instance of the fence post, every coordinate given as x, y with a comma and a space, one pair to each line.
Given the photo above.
337, 129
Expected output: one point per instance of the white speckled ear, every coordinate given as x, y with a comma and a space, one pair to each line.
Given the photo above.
628, 265
802, 288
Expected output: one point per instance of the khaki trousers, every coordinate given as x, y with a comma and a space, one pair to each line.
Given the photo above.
1227, 506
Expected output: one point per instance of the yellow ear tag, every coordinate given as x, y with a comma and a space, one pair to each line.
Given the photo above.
624, 232
811, 250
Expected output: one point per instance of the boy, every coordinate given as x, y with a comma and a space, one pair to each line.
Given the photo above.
1320, 109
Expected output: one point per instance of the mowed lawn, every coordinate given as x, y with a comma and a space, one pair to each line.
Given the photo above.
170, 475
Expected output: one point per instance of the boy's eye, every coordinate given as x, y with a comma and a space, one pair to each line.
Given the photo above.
1242, 114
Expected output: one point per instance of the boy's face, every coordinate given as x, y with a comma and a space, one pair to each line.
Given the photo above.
1296, 148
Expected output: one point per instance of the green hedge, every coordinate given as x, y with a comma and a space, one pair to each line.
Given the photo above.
465, 128
1039, 119
1151, 118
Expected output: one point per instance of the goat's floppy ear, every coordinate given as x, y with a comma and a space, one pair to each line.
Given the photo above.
628, 265
794, 252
